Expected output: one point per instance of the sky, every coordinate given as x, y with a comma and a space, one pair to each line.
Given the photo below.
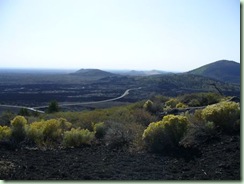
169, 35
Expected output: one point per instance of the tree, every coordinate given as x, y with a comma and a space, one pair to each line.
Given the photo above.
23, 112
53, 107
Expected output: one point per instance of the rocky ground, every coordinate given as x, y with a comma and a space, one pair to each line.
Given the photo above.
218, 159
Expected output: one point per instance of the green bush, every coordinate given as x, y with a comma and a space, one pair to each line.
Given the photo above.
99, 129
18, 128
77, 137
224, 115
5, 132
165, 134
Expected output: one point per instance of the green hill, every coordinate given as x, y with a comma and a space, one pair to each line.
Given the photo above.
223, 70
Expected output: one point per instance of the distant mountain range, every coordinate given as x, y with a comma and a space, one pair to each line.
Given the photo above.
140, 73
223, 70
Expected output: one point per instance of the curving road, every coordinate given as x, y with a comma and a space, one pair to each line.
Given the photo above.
72, 104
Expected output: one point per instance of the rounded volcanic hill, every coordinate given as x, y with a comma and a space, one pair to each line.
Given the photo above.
93, 73
223, 70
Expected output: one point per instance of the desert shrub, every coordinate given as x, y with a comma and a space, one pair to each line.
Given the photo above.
165, 134
133, 136
198, 131
143, 117
172, 102
200, 99
212, 98
77, 137
194, 103
118, 134
46, 133
99, 129
64, 124
35, 132
152, 107
148, 105
5, 132
6, 117
224, 115
18, 128
181, 105
51, 130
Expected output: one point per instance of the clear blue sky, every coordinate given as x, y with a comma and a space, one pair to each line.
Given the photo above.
171, 35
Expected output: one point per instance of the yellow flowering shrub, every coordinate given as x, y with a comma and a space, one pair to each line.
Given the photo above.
181, 105
224, 114
5, 132
99, 129
47, 132
171, 103
18, 128
76, 137
166, 133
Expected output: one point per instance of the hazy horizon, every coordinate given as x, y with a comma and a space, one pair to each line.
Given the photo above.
164, 35
67, 70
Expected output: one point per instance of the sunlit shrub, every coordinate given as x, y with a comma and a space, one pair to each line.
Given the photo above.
18, 127
77, 137
5, 132
99, 129
165, 134
35, 132
181, 105
148, 105
172, 103
224, 114
47, 132
64, 124
51, 130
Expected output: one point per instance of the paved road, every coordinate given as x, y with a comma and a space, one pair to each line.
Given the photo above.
71, 104
22, 107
